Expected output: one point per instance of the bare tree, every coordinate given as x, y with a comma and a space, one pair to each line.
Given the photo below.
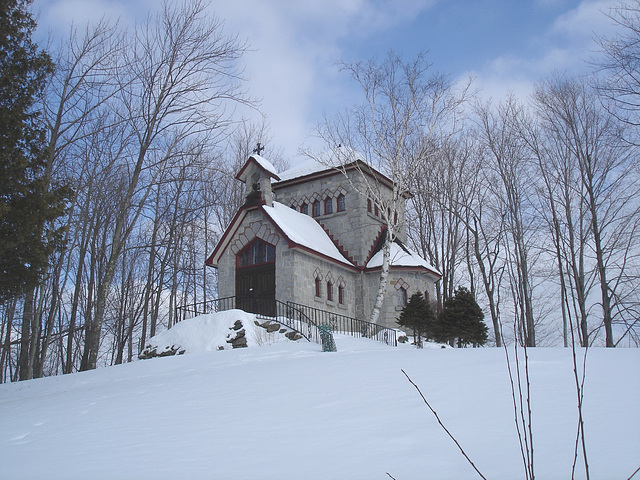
485, 231
436, 218
510, 180
404, 106
607, 193
620, 64
179, 77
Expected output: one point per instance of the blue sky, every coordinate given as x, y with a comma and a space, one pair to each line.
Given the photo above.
507, 45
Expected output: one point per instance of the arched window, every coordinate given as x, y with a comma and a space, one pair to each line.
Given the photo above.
341, 203
330, 291
257, 252
377, 211
328, 205
304, 208
369, 205
316, 209
340, 294
318, 287
402, 297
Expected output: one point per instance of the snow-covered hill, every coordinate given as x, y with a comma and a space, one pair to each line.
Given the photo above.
288, 411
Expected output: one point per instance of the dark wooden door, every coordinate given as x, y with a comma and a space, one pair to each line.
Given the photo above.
256, 289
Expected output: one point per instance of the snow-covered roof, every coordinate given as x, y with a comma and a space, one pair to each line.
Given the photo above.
304, 231
262, 162
266, 164
326, 162
401, 256
302, 169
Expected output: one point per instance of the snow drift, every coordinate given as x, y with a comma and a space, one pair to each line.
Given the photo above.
288, 411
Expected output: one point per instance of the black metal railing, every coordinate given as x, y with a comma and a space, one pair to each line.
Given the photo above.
200, 308
348, 325
301, 318
264, 309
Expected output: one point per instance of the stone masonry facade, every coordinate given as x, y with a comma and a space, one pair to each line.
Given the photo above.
353, 223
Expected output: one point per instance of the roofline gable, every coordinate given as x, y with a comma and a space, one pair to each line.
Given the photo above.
253, 159
223, 243
225, 240
357, 164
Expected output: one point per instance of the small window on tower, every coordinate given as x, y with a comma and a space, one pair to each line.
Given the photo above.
330, 291
316, 209
341, 203
304, 208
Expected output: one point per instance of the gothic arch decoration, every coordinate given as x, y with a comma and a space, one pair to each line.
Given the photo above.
258, 229
402, 293
342, 284
400, 283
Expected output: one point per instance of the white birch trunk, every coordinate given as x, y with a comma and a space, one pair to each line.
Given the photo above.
384, 275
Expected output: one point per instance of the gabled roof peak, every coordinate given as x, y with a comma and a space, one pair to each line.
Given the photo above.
262, 163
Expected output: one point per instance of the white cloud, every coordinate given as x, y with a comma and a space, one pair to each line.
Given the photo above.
296, 47
566, 47
583, 21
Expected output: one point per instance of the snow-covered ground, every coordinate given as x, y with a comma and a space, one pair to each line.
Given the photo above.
285, 410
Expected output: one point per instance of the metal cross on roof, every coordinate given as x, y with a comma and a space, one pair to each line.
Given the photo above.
259, 148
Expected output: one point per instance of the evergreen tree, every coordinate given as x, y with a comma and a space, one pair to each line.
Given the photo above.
461, 321
28, 205
417, 315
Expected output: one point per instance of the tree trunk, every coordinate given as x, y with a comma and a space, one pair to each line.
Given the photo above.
384, 276
25, 339
6, 333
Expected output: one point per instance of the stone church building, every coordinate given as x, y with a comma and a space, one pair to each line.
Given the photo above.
307, 236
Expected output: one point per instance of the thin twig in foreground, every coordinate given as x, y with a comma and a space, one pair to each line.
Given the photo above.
442, 425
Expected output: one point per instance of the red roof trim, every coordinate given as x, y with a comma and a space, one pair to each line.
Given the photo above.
406, 268
340, 248
322, 255
367, 170
373, 245
235, 224
231, 229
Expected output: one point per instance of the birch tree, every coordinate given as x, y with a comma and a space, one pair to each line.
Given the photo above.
404, 106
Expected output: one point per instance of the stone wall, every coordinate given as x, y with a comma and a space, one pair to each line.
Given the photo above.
302, 288
412, 281
296, 270
354, 229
